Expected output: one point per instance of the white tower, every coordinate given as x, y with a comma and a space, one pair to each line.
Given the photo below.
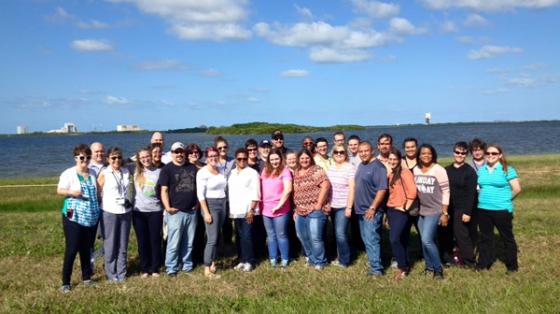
428, 118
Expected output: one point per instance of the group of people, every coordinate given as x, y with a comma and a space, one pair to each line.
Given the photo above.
266, 193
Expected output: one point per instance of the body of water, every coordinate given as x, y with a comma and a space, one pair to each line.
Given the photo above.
47, 155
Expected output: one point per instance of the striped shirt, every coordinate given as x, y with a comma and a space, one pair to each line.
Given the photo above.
339, 181
495, 191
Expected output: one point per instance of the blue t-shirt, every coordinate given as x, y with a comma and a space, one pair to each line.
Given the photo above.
495, 191
369, 179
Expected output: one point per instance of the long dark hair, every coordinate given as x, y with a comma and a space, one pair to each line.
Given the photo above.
308, 153
398, 169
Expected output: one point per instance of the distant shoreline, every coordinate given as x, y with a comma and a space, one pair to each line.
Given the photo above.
266, 128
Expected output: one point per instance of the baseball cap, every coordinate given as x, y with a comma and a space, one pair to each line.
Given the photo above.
177, 145
265, 143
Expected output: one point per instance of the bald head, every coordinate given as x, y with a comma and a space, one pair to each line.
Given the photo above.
97, 152
157, 138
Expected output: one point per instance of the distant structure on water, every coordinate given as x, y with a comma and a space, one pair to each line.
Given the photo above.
68, 127
21, 129
428, 118
128, 128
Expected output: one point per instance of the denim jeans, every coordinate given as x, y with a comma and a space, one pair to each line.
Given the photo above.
310, 230
428, 231
371, 235
277, 233
340, 224
181, 228
399, 234
244, 231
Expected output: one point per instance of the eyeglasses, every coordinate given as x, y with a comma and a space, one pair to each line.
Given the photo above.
115, 157
82, 158
339, 152
222, 148
212, 156
251, 149
460, 153
242, 159
308, 143
178, 151
492, 153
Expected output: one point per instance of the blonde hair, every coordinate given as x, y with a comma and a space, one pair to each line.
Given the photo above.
139, 172
341, 147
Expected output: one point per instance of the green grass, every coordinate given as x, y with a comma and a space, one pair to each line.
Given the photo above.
32, 245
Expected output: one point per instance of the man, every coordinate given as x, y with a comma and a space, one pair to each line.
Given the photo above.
97, 162
278, 141
338, 138
244, 195
477, 147
371, 189
322, 157
251, 146
157, 138
178, 196
264, 150
384, 145
353, 143
410, 146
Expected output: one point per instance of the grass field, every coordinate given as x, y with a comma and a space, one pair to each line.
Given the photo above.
32, 245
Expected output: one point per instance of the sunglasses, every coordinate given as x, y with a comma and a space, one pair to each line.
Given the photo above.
194, 153
115, 157
278, 138
492, 153
82, 158
222, 148
307, 143
339, 152
178, 151
242, 159
460, 153
251, 149
212, 156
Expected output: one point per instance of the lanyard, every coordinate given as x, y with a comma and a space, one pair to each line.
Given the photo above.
120, 184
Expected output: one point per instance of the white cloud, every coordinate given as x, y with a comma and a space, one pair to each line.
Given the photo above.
376, 9
114, 100
402, 26
93, 24
449, 27
490, 5
475, 20
91, 45
304, 12
295, 73
488, 51
211, 73
166, 64
525, 82
469, 40
330, 55
200, 20
497, 91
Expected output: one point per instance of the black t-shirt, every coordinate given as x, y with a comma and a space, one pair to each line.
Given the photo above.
462, 184
181, 181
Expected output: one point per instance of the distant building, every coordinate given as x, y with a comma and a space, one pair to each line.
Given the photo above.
21, 129
128, 128
428, 118
68, 127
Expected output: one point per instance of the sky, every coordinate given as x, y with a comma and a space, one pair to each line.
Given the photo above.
166, 64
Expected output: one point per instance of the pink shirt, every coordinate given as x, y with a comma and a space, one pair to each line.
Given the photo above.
339, 181
272, 188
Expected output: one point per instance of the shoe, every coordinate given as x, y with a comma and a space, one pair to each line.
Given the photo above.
247, 267
144, 275
372, 273
65, 289
156, 275
284, 263
338, 264
438, 275
511, 271
394, 264
400, 275
273, 263
319, 267
212, 268
172, 275
239, 266
88, 283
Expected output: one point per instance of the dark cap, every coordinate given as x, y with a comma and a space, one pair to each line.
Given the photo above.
265, 143
277, 134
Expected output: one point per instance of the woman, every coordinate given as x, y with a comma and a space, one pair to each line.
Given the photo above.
341, 175
114, 184
462, 183
276, 185
211, 191
311, 188
193, 155
499, 186
402, 193
295, 245
291, 161
410, 151
147, 216
156, 155
80, 215
433, 195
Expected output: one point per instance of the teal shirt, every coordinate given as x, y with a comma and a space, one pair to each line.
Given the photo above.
495, 191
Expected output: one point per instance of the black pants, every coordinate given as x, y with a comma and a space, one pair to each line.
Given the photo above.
445, 240
78, 239
147, 226
259, 238
502, 220
465, 236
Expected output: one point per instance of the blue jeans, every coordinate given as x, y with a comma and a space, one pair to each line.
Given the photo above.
310, 230
428, 230
277, 234
245, 245
370, 230
181, 228
340, 224
399, 234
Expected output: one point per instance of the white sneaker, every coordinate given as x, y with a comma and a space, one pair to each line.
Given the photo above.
247, 267
394, 264
239, 266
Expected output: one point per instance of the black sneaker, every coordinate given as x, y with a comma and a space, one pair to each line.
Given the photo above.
511, 271
172, 275
438, 275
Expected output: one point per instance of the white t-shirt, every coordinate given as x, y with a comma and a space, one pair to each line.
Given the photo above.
210, 185
69, 179
115, 190
244, 187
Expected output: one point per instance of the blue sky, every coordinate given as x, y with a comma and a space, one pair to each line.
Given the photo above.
171, 64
